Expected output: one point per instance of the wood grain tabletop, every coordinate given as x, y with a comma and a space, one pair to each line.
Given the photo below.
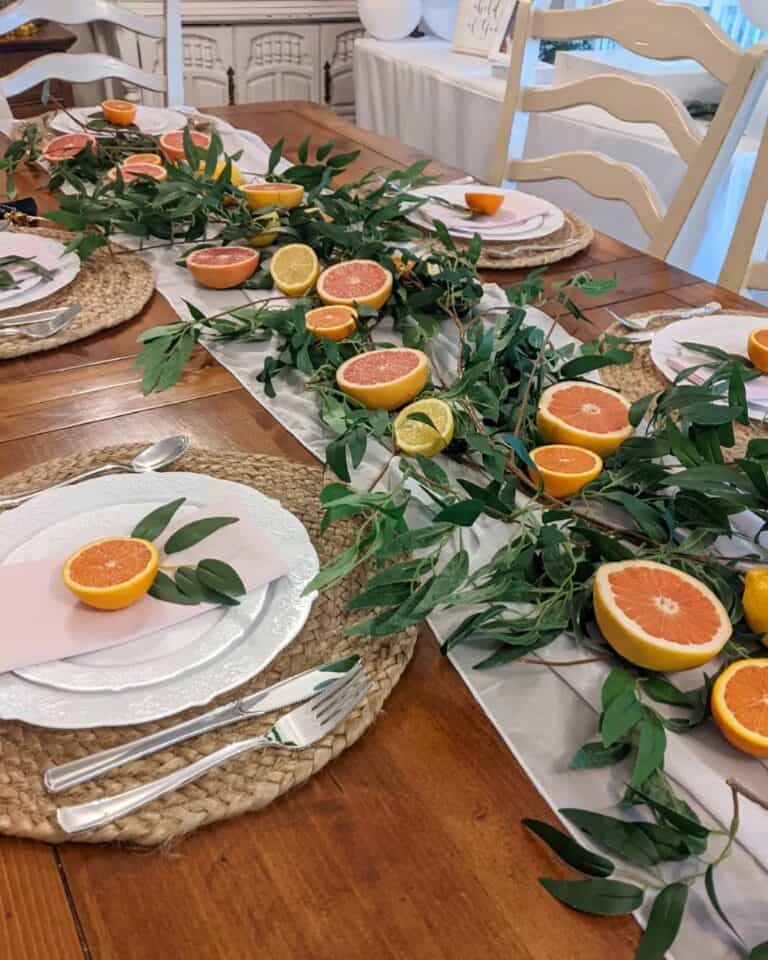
408, 846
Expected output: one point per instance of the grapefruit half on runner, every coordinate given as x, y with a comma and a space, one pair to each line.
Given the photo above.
142, 158
658, 617
222, 267
286, 195
384, 379
172, 144
585, 415
67, 146
112, 574
740, 705
333, 323
363, 282
564, 469
134, 171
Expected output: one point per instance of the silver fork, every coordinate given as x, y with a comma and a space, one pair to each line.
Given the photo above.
685, 314
296, 730
37, 326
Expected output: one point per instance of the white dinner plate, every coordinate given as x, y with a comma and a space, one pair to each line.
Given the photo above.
153, 121
729, 332
551, 220
50, 254
194, 661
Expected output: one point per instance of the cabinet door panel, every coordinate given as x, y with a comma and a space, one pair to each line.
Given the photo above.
208, 52
277, 63
337, 41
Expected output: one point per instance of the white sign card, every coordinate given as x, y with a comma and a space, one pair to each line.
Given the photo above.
478, 24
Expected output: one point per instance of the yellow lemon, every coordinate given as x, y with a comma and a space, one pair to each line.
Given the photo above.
416, 437
295, 268
755, 600
236, 177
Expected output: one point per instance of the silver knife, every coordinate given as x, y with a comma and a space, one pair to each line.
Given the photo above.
40, 316
288, 692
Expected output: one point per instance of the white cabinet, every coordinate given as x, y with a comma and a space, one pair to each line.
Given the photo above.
208, 56
276, 63
337, 42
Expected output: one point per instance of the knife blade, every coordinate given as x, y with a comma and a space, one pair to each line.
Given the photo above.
286, 693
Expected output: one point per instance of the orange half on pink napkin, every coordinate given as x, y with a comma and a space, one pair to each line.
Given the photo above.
43, 621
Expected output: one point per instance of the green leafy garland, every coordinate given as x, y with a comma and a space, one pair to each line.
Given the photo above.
670, 486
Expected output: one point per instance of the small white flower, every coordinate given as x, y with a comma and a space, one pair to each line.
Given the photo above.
433, 269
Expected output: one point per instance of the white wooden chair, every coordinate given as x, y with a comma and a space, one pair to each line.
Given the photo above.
657, 30
86, 67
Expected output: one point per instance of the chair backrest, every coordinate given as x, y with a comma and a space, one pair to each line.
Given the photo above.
86, 67
654, 29
741, 270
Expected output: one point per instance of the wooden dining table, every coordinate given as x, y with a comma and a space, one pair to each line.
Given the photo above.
410, 844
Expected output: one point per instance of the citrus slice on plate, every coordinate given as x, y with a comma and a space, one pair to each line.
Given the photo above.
67, 146
425, 439
286, 195
757, 348
113, 573
120, 113
172, 144
384, 379
133, 171
333, 323
222, 267
487, 203
363, 282
564, 469
740, 705
658, 617
294, 269
585, 415
142, 158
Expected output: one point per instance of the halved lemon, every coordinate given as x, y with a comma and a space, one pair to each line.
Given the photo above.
658, 617
564, 469
740, 705
236, 178
295, 268
333, 323
416, 437
757, 348
266, 236
585, 415
260, 195
113, 573
120, 113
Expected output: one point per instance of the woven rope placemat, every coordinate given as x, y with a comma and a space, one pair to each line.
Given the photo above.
251, 781
640, 377
110, 288
574, 236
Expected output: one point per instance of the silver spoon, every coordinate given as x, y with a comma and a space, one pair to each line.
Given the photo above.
159, 455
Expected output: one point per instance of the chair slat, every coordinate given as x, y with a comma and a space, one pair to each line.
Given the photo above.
78, 68
72, 12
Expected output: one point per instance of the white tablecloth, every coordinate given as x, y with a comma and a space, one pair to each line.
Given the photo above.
446, 104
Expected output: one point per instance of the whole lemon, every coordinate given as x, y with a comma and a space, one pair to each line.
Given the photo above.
755, 600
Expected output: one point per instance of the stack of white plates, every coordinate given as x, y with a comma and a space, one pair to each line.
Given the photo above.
153, 121
30, 286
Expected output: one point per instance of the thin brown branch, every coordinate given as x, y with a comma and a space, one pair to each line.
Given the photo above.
738, 789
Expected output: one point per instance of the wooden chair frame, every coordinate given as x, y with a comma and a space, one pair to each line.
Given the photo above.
654, 29
741, 272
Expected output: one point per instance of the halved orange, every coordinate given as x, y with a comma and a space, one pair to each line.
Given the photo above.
286, 195
113, 573
487, 203
384, 379
564, 469
132, 171
658, 617
222, 267
585, 415
740, 705
67, 146
333, 323
120, 113
757, 348
142, 158
172, 144
362, 282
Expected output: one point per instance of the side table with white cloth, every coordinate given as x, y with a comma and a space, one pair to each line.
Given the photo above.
446, 104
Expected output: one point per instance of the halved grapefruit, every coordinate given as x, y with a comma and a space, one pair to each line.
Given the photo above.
120, 113
757, 348
113, 573
333, 323
286, 195
564, 469
384, 379
658, 617
172, 144
363, 282
142, 158
67, 146
585, 415
740, 705
222, 267
133, 171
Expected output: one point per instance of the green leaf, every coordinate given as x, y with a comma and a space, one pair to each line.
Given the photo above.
155, 522
760, 952
581, 365
639, 409
683, 823
616, 683
626, 839
664, 691
593, 755
220, 577
569, 850
187, 582
165, 589
605, 898
709, 884
336, 458
463, 513
663, 923
620, 717
193, 533
651, 747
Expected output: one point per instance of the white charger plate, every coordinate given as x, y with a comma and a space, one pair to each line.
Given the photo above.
50, 254
728, 332
192, 666
153, 121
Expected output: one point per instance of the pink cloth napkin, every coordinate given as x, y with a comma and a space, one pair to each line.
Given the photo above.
43, 621
757, 390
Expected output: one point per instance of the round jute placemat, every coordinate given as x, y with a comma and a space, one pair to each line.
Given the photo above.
110, 288
248, 782
574, 236
640, 377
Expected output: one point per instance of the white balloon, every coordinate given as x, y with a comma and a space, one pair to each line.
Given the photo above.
756, 11
390, 19
440, 17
